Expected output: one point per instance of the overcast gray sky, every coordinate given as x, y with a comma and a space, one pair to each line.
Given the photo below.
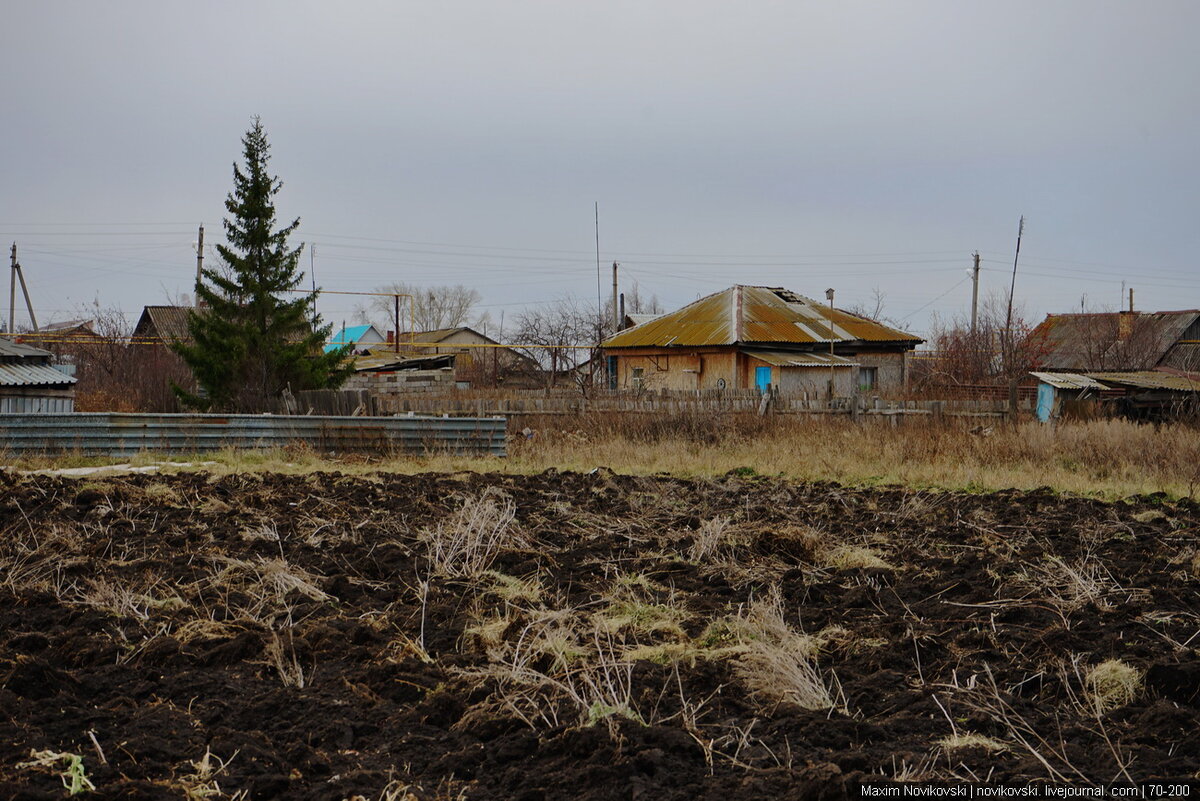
804, 144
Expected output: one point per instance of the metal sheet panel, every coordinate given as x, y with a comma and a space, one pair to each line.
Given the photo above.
1068, 381
786, 359
32, 375
10, 348
1151, 379
128, 434
31, 404
1096, 340
758, 314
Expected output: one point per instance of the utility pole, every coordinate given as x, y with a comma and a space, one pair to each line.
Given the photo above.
1013, 288
599, 294
199, 263
396, 338
829, 294
1131, 300
12, 289
312, 272
616, 313
25, 292
1010, 350
974, 292
18, 275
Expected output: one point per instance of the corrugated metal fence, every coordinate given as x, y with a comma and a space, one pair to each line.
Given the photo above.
34, 404
129, 434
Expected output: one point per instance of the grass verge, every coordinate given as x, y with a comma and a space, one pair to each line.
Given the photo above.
1108, 459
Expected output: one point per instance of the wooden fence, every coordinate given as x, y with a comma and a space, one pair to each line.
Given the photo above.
536, 403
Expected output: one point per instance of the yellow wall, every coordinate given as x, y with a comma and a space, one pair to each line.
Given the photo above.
683, 370
693, 369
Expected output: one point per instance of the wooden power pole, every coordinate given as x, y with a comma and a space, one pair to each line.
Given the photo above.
615, 307
12, 288
18, 275
974, 292
199, 263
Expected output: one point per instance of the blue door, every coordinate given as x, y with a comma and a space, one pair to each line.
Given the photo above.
1045, 402
762, 378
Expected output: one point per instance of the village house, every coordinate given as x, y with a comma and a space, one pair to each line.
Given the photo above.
478, 357
425, 361
760, 337
1116, 341
162, 324
361, 337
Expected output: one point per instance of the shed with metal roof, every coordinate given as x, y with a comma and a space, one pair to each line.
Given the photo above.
1157, 393
30, 384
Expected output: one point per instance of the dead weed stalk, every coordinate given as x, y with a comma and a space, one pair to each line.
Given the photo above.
466, 543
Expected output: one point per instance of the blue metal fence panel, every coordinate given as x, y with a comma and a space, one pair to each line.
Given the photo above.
129, 434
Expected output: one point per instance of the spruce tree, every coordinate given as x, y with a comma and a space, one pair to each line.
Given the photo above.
253, 337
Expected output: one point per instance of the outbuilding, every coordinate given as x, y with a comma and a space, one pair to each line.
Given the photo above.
29, 383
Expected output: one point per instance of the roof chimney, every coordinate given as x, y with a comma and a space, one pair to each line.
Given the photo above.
1125, 324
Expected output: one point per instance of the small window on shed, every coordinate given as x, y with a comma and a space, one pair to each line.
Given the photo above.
868, 378
638, 378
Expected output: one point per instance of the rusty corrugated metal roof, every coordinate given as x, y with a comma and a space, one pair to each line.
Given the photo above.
1110, 340
21, 350
755, 314
1150, 379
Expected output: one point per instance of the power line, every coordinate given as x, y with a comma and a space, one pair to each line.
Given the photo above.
935, 300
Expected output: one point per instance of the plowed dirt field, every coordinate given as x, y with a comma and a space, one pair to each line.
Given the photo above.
584, 636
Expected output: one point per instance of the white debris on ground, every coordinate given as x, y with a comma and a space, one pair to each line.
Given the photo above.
114, 468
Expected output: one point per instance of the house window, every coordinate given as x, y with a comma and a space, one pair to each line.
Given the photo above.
639, 377
868, 378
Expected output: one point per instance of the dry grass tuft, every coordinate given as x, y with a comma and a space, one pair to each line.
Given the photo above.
262, 589
851, 557
963, 740
1112, 684
282, 657
710, 541
776, 662
641, 617
514, 590
1072, 586
201, 784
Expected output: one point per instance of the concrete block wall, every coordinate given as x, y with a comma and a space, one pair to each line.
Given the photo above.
403, 382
